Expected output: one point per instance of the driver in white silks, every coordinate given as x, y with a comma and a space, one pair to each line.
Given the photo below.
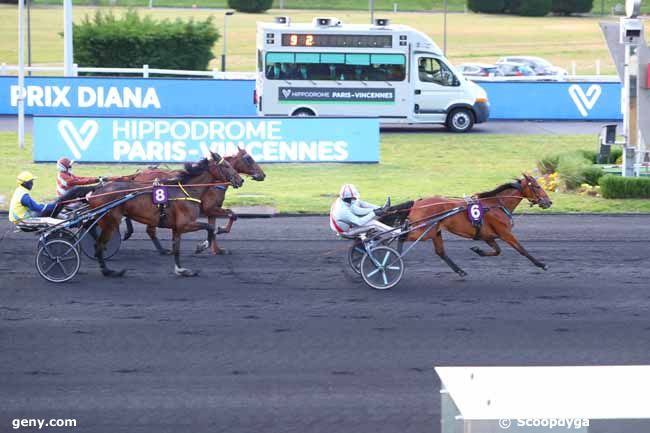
351, 216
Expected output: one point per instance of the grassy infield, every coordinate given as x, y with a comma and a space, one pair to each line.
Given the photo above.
414, 164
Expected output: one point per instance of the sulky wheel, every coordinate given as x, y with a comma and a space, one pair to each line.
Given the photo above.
88, 244
382, 268
355, 254
63, 234
57, 260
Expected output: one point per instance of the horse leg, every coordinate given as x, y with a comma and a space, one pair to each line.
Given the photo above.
493, 244
440, 250
232, 217
129, 229
514, 243
151, 231
178, 269
176, 233
212, 215
100, 245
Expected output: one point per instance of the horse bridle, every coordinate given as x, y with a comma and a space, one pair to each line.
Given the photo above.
220, 166
534, 189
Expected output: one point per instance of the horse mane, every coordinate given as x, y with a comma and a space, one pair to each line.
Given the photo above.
498, 189
193, 169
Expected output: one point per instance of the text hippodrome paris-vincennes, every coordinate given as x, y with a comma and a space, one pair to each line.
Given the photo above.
161, 139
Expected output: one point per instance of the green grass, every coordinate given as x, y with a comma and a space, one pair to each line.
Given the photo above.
413, 165
471, 37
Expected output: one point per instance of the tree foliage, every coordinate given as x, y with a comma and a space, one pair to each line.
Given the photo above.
568, 7
515, 7
131, 42
250, 6
486, 6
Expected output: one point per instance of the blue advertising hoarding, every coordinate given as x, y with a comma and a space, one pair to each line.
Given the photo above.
553, 100
153, 97
145, 97
177, 140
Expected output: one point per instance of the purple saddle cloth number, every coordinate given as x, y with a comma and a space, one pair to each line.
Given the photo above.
475, 213
159, 195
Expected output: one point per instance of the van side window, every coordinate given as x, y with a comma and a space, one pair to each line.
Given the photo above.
335, 66
432, 70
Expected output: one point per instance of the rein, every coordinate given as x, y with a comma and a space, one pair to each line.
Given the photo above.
461, 201
179, 185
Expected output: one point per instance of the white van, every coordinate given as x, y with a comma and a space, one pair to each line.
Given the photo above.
394, 72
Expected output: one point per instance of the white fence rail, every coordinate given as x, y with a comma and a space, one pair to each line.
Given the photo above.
145, 71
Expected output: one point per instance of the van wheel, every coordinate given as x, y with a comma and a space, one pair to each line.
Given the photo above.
460, 120
303, 112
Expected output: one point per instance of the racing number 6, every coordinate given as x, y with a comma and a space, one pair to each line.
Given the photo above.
475, 211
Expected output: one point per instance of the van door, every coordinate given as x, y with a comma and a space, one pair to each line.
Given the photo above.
435, 88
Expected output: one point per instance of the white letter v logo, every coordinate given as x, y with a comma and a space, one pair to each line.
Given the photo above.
78, 140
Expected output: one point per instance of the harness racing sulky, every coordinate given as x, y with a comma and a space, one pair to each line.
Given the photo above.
485, 216
93, 227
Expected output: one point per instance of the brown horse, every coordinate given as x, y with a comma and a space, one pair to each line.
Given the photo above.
211, 200
180, 215
498, 204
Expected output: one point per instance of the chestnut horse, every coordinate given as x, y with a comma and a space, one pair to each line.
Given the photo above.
180, 215
211, 200
498, 204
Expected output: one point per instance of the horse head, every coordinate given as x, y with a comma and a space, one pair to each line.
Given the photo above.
532, 191
244, 163
221, 170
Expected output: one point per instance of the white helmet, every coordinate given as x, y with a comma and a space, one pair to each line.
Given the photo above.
349, 191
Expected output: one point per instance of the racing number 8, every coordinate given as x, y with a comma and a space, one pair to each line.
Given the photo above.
160, 195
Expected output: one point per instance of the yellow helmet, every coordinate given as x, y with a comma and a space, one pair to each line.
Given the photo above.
24, 176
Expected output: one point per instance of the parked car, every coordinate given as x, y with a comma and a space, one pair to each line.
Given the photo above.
515, 70
537, 64
479, 70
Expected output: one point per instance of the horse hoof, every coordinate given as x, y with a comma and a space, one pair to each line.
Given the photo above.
221, 252
221, 230
113, 274
165, 252
127, 236
462, 273
545, 267
477, 250
201, 247
184, 272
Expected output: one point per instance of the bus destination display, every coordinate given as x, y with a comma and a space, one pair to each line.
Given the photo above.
324, 40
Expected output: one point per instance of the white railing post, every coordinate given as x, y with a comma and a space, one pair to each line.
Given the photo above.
3, 68
573, 67
395, 8
145, 71
75, 70
597, 66
215, 73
